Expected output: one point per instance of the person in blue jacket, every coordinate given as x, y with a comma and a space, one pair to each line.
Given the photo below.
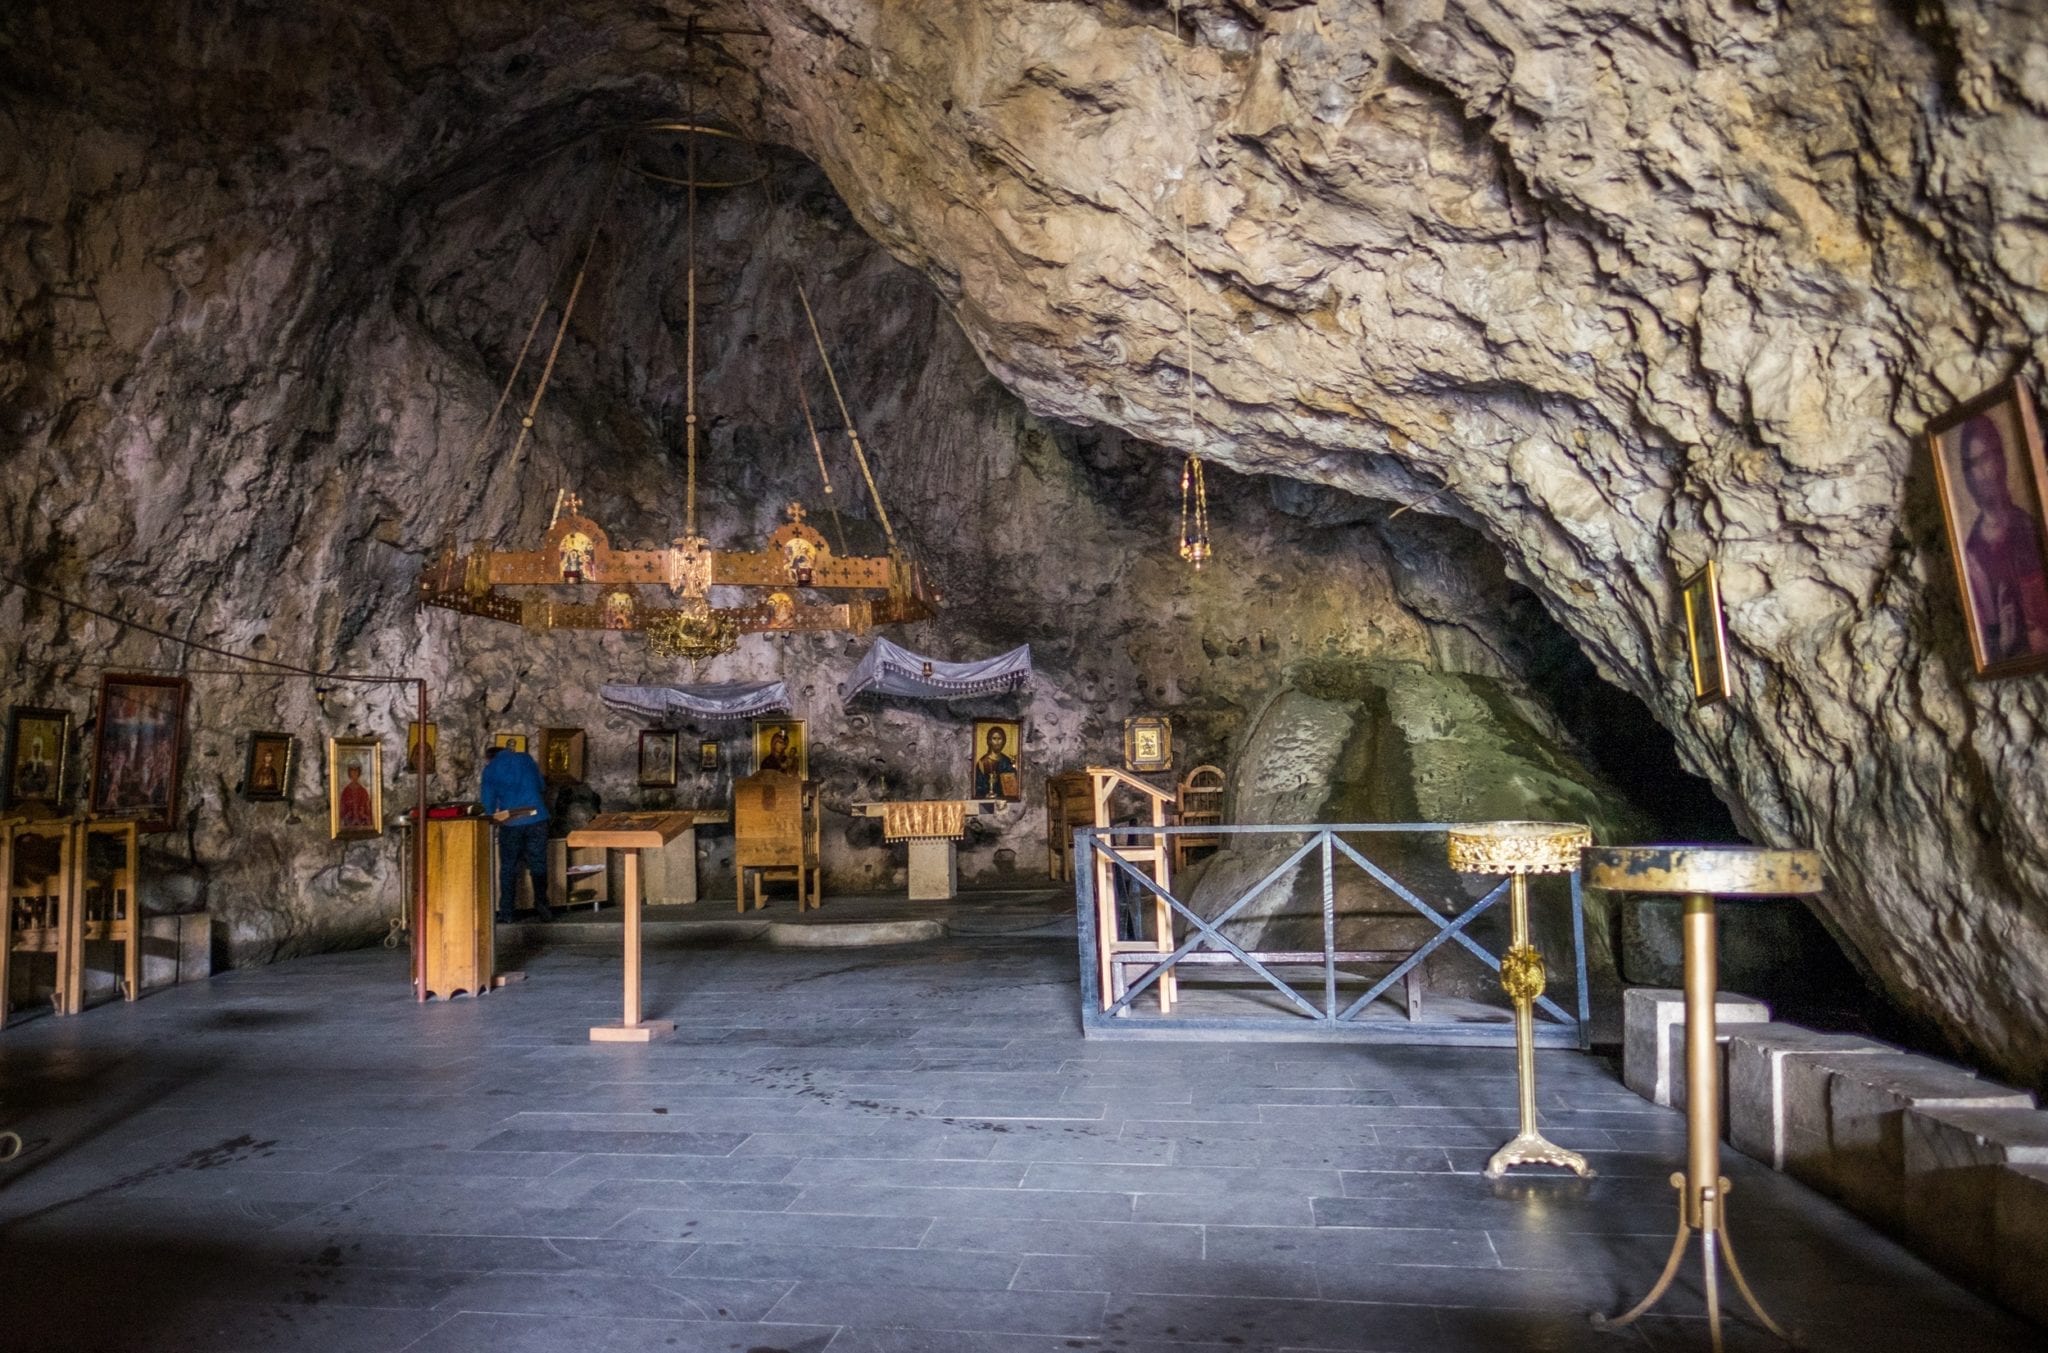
516, 800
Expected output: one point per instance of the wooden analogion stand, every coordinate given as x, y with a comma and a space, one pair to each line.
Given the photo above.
632, 833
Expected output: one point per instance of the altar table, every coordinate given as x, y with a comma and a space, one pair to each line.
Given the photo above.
933, 828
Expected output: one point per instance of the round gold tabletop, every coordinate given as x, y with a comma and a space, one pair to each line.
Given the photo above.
1518, 847
1721, 871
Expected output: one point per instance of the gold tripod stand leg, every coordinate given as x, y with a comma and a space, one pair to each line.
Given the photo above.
1702, 1192
1521, 977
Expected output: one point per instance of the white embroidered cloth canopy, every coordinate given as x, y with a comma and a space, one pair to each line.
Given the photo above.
891, 669
720, 700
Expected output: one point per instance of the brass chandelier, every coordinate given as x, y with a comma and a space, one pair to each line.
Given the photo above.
576, 579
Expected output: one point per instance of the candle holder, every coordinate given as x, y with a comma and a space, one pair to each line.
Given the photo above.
1519, 849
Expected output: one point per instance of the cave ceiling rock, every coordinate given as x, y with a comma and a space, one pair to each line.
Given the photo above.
1643, 283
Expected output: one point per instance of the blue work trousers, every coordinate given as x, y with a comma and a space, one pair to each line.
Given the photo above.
522, 845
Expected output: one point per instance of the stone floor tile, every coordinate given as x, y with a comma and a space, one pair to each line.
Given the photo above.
1138, 1274
1065, 1313
483, 1333
1064, 1237
1268, 1322
732, 1228
675, 1296
964, 1269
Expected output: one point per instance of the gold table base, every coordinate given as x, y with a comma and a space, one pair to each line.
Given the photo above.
1702, 1190
1715, 1244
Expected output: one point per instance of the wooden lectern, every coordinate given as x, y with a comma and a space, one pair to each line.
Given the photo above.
459, 932
632, 833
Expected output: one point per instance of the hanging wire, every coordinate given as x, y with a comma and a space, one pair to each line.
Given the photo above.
568, 310
860, 456
1194, 489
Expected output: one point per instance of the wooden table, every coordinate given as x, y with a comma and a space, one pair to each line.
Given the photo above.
632, 833
933, 828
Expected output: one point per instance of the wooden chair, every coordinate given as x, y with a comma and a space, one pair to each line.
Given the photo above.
1201, 805
1069, 803
109, 906
1154, 860
37, 905
775, 833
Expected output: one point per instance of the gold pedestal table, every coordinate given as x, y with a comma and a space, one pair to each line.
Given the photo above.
1700, 874
1519, 849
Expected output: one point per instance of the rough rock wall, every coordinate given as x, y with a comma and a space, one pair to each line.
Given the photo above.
1632, 282
1637, 283
244, 396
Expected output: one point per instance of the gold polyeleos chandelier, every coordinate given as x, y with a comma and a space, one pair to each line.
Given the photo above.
576, 579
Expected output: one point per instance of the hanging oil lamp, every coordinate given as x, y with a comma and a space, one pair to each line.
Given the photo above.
1194, 514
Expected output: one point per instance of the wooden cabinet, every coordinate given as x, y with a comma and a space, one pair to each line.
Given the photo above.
460, 954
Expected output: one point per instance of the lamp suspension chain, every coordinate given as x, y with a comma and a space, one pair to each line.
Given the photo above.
1194, 490
690, 323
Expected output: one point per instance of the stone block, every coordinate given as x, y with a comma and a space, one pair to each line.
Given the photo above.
1861, 1159
161, 951
934, 871
1674, 1050
1648, 1017
668, 874
2019, 1235
176, 949
195, 947
1953, 1159
1758, 1111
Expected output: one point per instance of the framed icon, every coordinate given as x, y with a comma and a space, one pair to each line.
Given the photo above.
1993, 480
658, 758
412, 747
1706, 636
137, 749
707, 755
511, 742
561, 755
780, 744
355, 788
993, 760
267, 767
38, 741
1148, 743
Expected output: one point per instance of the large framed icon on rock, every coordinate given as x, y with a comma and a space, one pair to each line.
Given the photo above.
1993, 479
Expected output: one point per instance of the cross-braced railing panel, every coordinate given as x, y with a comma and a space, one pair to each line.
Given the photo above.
1134, 967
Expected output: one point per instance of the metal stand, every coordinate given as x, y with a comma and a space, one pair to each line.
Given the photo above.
1519, 849
1522, 978
1702, 1190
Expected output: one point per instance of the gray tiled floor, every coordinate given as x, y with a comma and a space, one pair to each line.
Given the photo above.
876, 1151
